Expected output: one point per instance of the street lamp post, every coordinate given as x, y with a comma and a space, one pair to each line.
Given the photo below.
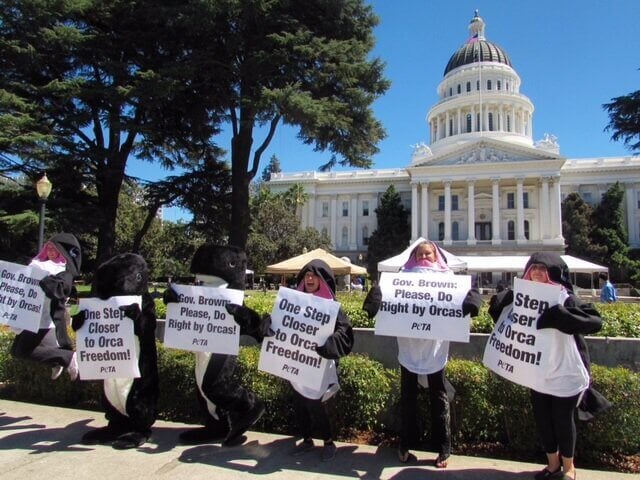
43, 188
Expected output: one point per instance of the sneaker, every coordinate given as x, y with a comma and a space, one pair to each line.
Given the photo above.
56, 372
72, 369
303, 447
328, 451
239, 425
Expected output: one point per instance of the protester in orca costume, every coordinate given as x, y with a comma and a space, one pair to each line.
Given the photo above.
229, 408
61, 257
316, 278
130, 403
554, 414
423, 361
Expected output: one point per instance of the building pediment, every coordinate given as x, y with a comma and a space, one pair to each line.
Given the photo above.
486, 152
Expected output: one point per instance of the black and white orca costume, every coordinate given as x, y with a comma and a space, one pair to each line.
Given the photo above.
130, 403
229, 408
51, 343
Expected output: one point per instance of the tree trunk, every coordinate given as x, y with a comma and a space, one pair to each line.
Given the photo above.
109, 180
240, 179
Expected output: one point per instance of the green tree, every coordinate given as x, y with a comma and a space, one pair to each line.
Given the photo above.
88, 85
576, 228
609, 230
624, 120
272, 167
276, 233
307, 64
393, 232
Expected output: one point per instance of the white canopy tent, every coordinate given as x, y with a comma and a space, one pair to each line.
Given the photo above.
394, 264
516, 263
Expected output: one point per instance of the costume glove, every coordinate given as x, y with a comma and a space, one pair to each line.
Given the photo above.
372, 301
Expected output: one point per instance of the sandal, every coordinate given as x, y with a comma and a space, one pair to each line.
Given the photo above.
546, 474
442, 461
405, 456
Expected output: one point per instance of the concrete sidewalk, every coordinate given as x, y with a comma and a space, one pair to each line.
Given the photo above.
39, 442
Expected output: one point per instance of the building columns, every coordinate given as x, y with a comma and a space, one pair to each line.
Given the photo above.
520, 238
414, 211
353, 234
424, 210
471, 213
447, 212
495, 214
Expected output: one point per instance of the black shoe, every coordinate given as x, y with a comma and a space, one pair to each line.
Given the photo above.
303, 447
200, 435
546, 474
129, 440
328, 451
102, 435
241, 424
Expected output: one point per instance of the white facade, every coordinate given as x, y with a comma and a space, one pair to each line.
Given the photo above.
482, 186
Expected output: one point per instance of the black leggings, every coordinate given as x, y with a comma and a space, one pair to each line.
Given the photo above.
440, 411
312, 417
555, 422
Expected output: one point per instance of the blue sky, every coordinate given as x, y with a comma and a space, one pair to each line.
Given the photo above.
572, 56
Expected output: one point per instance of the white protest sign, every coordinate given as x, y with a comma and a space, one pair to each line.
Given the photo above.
301, 321
106, 346
423, 305
200, 322
21, 298
516, 350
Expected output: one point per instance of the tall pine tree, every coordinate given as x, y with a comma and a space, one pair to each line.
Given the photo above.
393, 232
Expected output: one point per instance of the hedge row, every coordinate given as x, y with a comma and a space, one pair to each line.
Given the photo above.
486, 408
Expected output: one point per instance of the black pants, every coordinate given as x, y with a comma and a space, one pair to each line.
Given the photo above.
313, 417
41, 347
440, 411
555, 422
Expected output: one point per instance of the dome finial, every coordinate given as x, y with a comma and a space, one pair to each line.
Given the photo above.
476, 28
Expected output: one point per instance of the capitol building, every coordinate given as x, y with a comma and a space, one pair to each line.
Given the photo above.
482, 186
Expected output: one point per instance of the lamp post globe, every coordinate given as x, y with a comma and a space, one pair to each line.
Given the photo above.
43, 189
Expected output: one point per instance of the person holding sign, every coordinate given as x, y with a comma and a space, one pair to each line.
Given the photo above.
130, 400
423, 361
316, 278
563, 383
229, 408
51, 345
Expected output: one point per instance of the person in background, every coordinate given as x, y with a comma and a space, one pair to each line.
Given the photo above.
316, 278
423, 361
61, 258
554, 413
608, 292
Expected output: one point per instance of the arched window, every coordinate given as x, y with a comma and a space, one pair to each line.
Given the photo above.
490, 122
526, 229
488, 84
477, 84
455, 231
345, 236
511, 230
477, 122
450, 126
459, 89
469, 124
508, 123
468, 86
498, 84
450, 91
441, 231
